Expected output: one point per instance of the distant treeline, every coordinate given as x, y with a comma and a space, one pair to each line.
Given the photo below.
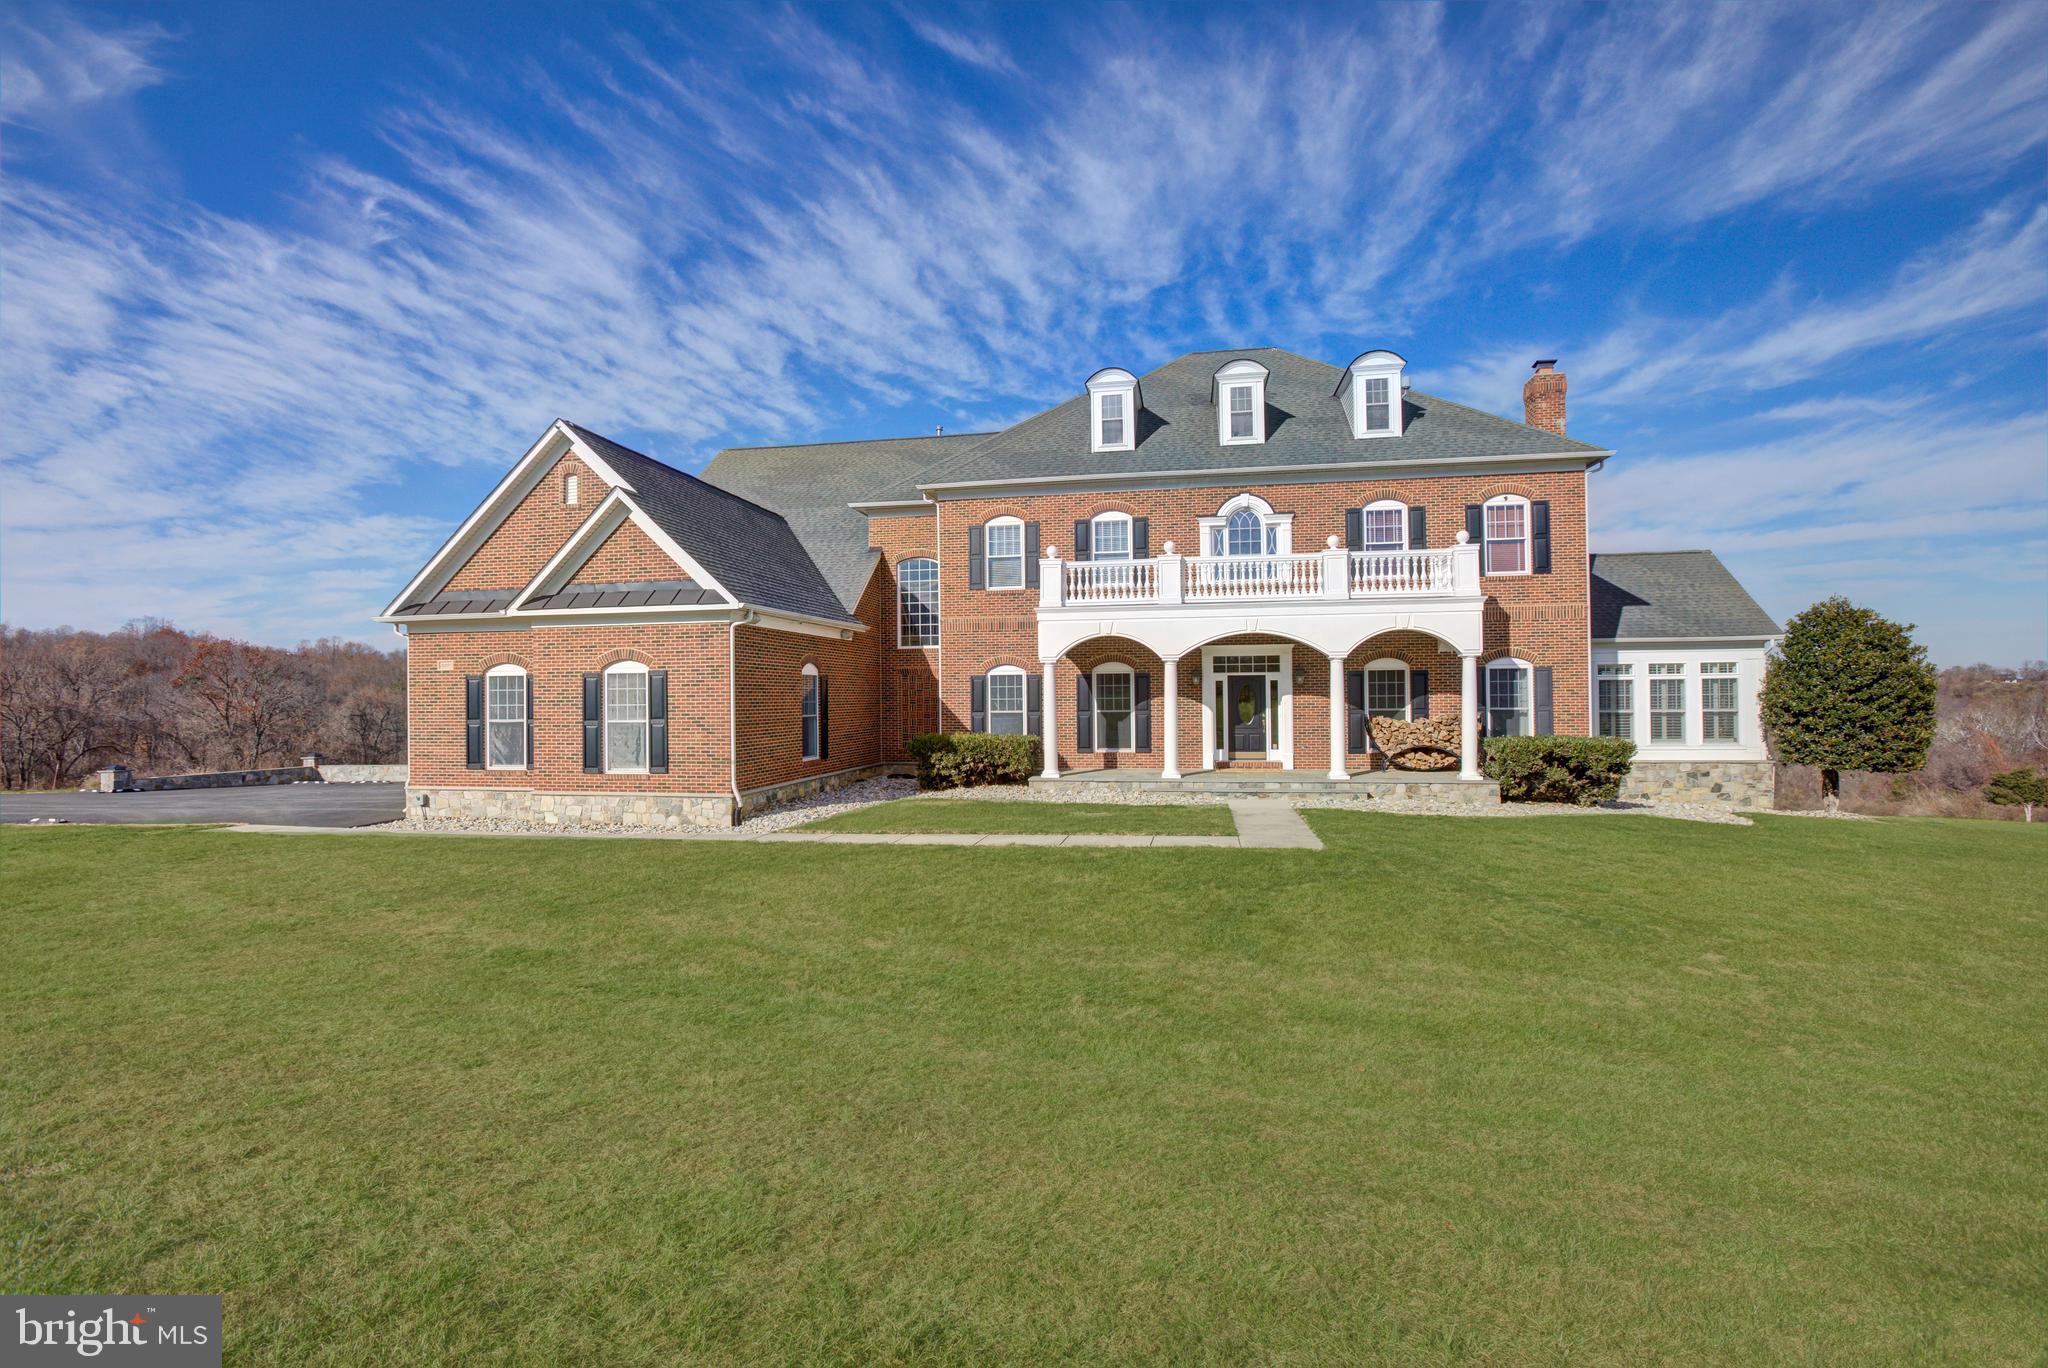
162, 701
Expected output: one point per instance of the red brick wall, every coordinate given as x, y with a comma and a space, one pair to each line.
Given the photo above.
909, 688
771, 691
556, 658
1540, 618
628, 554
513, 554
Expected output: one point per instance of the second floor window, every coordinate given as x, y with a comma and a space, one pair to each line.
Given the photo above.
917, 602
1109, 537
1241, 411
1386, 527
1507, 536
1244, 534
1379, 410
1113, 419
1006, 553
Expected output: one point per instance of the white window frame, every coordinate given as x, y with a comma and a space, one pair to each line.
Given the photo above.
620, 670
988, 558
1622, 674
1394, 506
1130, 678
1277, 529
1023, 708
903, 597
1377, 392
1102, 520
810, 736
1528, 694
1720, 673
1240, 377
1384, 666
1352, 389
1667, 673
1101, 386
1488, 541
572, 490
522, 721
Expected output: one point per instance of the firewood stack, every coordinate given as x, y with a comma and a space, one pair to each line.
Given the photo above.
1428, 744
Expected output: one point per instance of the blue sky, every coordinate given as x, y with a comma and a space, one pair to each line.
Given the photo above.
286, 287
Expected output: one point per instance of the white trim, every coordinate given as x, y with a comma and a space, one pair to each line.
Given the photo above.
524, 720
1528, 536
808, 712
1095, 706
572, 489
1279, 526
1390, 665
1279, 724
988, 583
1383, 366
1112, 380
1382, 506
1749, 655
1095, 540
1232, 376
1286, 474
625, 667
1528, 708
599, 526
892, 508
988, 716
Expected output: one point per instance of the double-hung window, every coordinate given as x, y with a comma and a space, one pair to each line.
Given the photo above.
917, 602
1113, 420
1379, 408
625, 719
1109, 537
1006, 553
1006, 701
1113, 709
1507, 699
1241, 412
1386, 691
1667, 701
1617, 701
505, 717
1507, 536
1717, 701
1385, 527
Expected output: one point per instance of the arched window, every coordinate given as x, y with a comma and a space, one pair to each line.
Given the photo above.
1246, 525
505, 717
1244, 534
1114, 707
1507, 535
625, 718
1385, 525
1507, 698
1006, 700
917, 602
1386, 689
1005, 548
813, 714
1109, 537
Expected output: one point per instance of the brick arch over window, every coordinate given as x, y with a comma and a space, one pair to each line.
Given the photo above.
1513, 487
622, 656
507, 658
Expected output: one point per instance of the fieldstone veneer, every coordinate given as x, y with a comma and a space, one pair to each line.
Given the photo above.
1737, 783
667, 811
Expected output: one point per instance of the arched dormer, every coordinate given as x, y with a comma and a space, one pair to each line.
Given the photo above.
1113, 404
1238, 394
1371, 394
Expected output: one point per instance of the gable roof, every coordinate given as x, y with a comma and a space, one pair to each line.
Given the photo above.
1305, 425
812, 485
1672, 595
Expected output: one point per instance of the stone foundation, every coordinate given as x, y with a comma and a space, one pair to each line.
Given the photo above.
362, 774
753, 800
666, 811
1737, 783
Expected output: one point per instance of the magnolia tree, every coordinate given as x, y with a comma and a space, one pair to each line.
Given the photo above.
2025, 789
1849, 689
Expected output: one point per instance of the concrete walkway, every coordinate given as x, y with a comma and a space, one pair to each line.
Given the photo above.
1262, 824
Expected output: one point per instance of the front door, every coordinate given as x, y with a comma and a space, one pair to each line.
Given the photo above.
1246, 704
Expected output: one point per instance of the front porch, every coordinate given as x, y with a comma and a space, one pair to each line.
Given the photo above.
1444, 785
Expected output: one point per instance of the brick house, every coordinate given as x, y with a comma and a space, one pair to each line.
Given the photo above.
1169, 577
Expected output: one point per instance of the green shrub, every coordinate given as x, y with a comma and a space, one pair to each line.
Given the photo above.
1583, 770
969, 759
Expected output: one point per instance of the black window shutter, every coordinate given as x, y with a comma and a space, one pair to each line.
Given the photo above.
1545, 722
657, 721
824, 719
1084, 713
1475, 528
593, 723
1354, 711
977, 703
977, 576
1539, 536
1418, 694
529, 721
1082, 538
473, 720
1354, 529
1141, 708
1141, 538
1031, 555
1034, 706
1418, 529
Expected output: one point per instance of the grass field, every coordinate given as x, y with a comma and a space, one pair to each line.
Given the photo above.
922, 815
1544, 1090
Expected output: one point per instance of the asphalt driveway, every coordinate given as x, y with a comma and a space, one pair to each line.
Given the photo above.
328, 805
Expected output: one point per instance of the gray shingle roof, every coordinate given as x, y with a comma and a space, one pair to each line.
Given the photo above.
812, 485
637, 594
749, 549
1667, 595
1305, 425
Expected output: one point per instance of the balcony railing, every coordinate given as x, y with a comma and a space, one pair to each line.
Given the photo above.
1333, 574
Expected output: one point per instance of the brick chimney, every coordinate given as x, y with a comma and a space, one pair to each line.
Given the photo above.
1543, 397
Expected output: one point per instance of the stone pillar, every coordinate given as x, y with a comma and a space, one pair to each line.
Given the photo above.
1338, 722
1171, 769
1468, 717
1051, 741
115, 779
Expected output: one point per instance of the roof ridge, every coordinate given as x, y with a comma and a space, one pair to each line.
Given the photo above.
862, 441
684, 474
1501, 418
1676, 551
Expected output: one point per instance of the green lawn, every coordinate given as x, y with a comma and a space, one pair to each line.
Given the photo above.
995, 817
1545, 1090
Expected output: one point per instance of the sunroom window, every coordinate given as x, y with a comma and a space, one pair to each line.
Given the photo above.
1667, 702
1717, 701
1617, 701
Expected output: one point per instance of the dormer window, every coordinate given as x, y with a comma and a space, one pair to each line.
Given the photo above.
1239, 392
1114, 402
1371, 394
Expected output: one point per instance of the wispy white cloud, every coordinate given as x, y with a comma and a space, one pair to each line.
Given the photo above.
58, 63
962, 47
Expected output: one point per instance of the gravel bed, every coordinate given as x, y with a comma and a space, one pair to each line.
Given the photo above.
819, 806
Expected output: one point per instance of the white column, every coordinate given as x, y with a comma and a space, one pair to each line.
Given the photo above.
1051, 745
1468, 717
1339, 723
1171, 769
